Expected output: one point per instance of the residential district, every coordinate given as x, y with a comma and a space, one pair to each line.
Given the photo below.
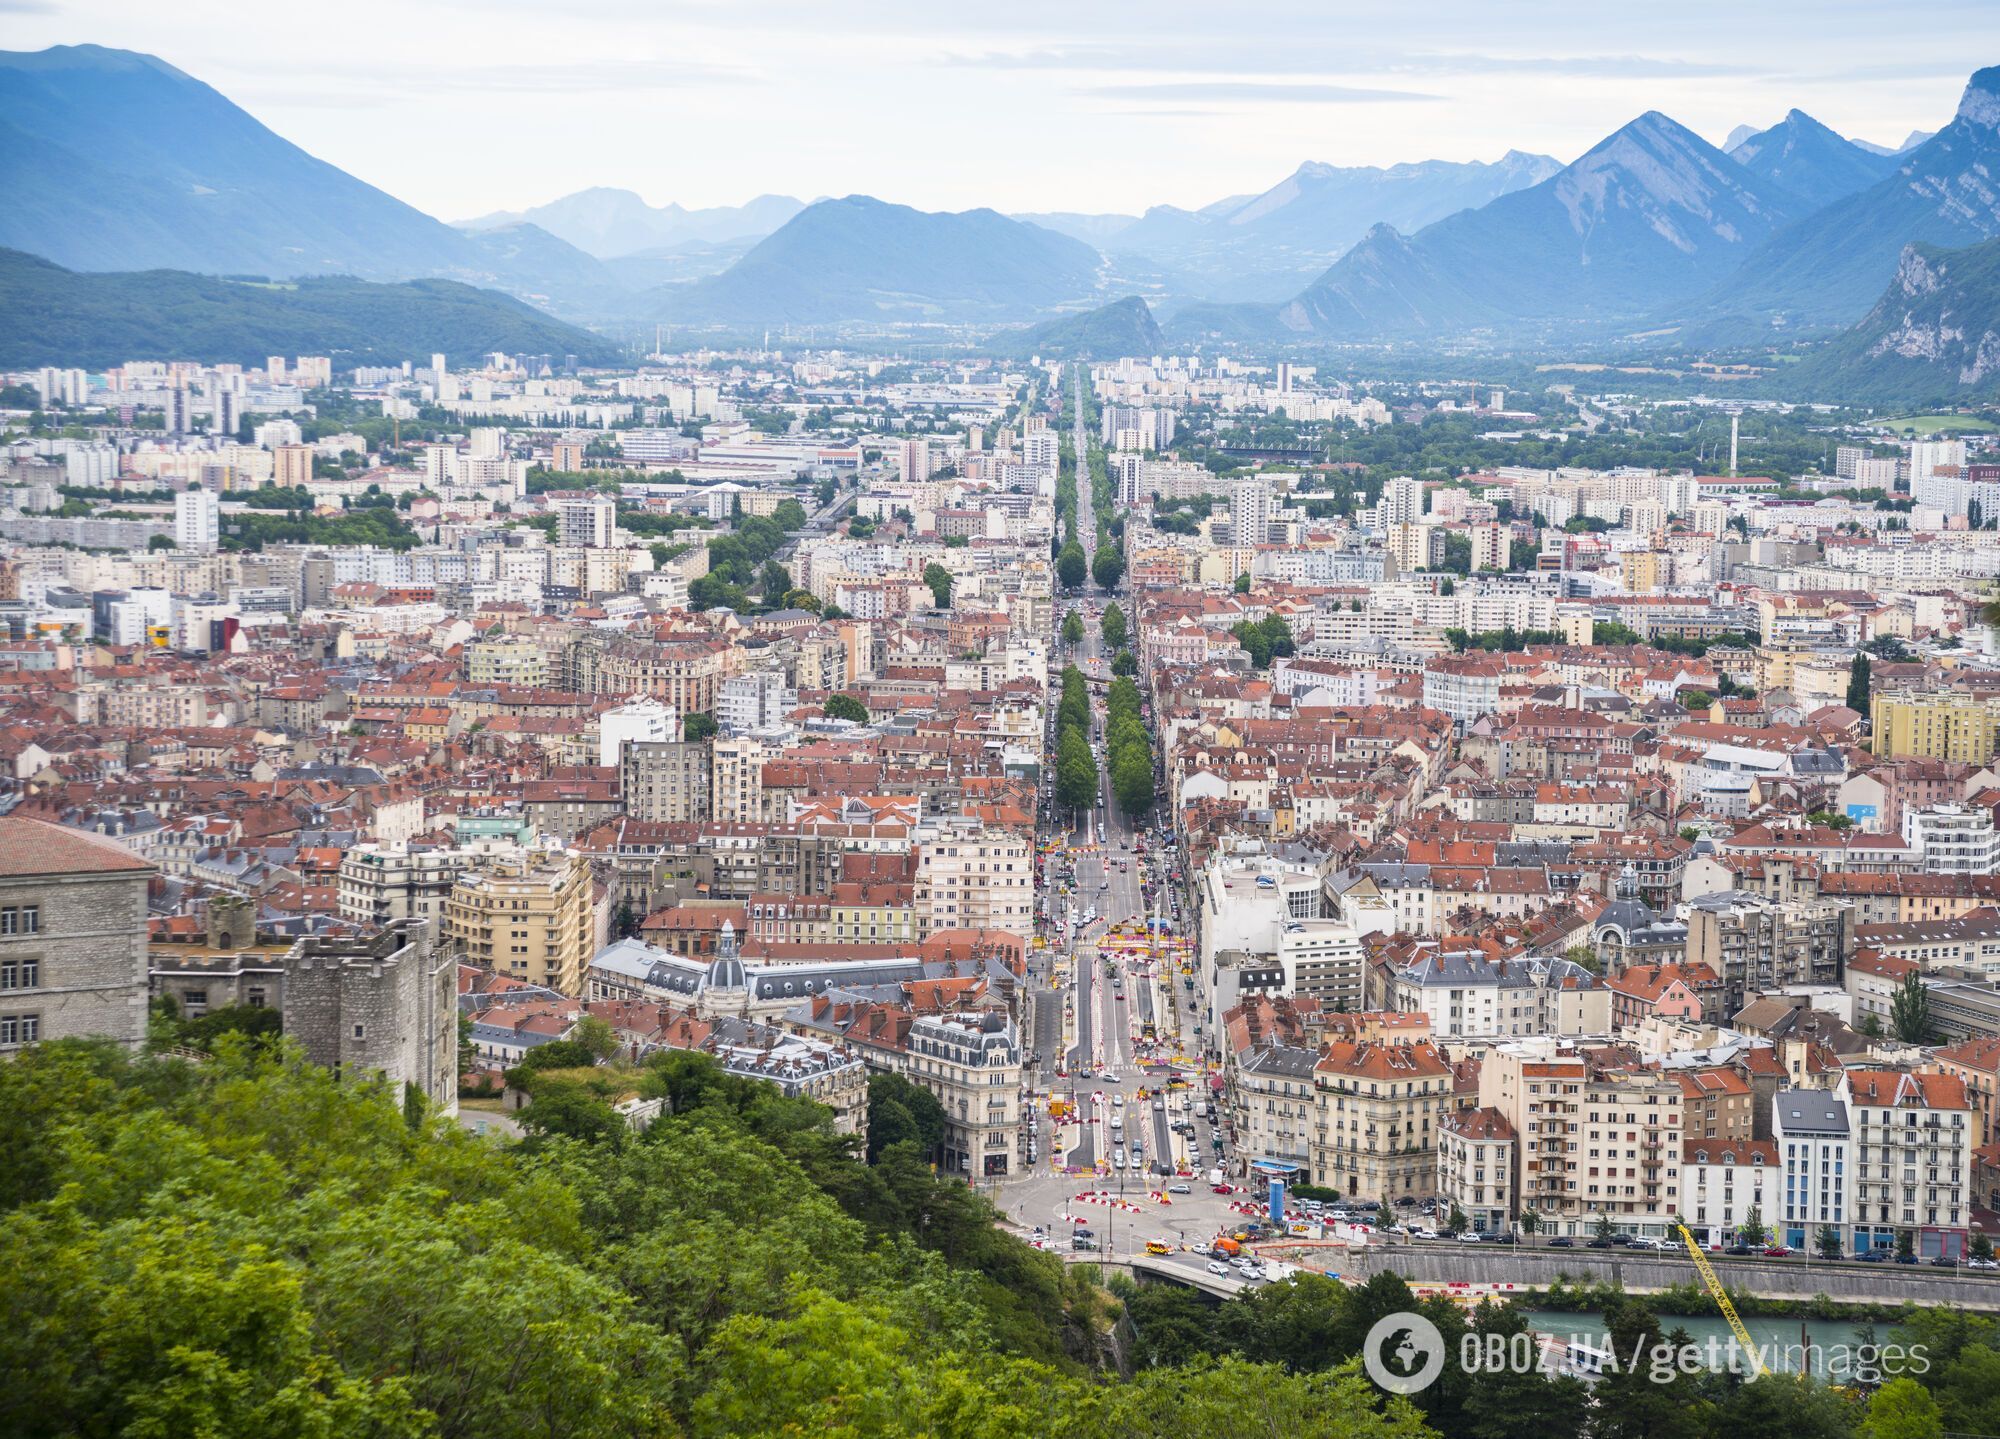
1120, 752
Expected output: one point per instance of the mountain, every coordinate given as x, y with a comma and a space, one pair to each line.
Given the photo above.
1801, 155
1933, 337
528, 261
1123, 327
50, 315
609, 223
112, 160
1268, 245
861, 259
1650, 215
1091, 229
1829, 268
1914, 139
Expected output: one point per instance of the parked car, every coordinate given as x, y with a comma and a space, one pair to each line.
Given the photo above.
1776, 1251
1740, 1249
1600, 1244
1944, 1261
1873, 1256
1906, 1259
1987, 1266
1562, 1241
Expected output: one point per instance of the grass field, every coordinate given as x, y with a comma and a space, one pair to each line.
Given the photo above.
1941, 424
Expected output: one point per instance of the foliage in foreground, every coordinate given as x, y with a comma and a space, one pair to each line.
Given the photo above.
249, 1247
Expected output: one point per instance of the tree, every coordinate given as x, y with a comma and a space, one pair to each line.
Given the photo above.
1243, 583
1112, 627
1828, 1242
597, 1036
1124, 664
845, 707
1906, 1244
161, 542
1751, 1230
1858, 683
697, 726
1072, 628
1902, 1409
1076, 771
900, 1112
1108, 567
1455, 1222
1910, 1010
1697, 700
1981, 1247
1071, 567
775, 582
1604, 1227
939, 580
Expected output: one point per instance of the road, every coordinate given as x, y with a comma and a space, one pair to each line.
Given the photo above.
1094, 997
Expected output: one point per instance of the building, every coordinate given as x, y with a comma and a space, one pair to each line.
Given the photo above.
643, 721
976, 879
1935, 724
1758, 945
1810, 1129
1476, 1169
1953, 839
971, 1061
914, 459
529, 916
1469, 996
1250, 511
1271, 1094
292, 466
589, 520
383, 884
664, 780
1729, 1185
197, 520
754, 701
384, 1005
72, 936
1975, 1063
1912, 1138
1378, 1109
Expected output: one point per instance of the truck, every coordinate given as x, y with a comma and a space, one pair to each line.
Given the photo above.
1226, 1245
1215, 1176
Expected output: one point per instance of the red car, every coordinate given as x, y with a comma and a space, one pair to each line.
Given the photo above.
1776, 1251
1221, 1189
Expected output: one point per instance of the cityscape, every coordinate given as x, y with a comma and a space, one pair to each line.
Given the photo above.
1370, 808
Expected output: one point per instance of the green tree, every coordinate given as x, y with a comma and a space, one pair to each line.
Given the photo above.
1124, 664
1751, 1231
939, 580
1902, 1409
1859, 683
1906, 1244
1112, 627
1910, 1010
1108, 567
597, 1036
1071, 567
1455, 1222
900, 1112
1605, 1228
1072, 628
697, 726
1697, 700
1510, 1403
1828, 1242
1243, 583
845, 707
1076, 771
160, 542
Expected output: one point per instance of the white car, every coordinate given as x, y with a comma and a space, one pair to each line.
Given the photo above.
1216, 1266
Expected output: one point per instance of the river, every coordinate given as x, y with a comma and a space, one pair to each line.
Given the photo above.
1779, 1339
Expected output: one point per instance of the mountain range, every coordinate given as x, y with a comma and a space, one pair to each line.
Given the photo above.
54, 316
1123, 327
612, 223
1932, 338
116, 161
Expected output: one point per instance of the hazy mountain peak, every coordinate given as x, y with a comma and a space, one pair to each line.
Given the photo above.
1737, 137
1980, 105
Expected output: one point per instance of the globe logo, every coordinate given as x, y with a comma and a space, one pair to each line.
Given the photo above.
1403, 1353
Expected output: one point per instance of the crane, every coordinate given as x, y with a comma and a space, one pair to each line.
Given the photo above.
1722, 1301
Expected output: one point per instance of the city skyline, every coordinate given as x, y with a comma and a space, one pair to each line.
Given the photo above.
1117, 113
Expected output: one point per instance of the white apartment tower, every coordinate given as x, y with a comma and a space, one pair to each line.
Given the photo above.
197, 520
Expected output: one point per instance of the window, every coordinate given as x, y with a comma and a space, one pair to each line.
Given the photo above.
20, 1028
360, 1031
20, 974
21, 919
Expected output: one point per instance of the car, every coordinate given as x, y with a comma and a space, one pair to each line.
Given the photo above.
1655, 1246
1600, 1244
1216, 1266
1179, 1189
1777, 1251
1423, 1233
1740, 1249
1986, 1266
1870, 1256
1220, 1189
1562, 1241
1501, 1239
1085, 1245
1944, 1261
1906, 1259
1085, 1234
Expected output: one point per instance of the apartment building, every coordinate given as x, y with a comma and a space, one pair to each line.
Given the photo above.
1476, 1168
1935, 724
975, 879
665, 781
1975, 1063
1810, 1129
1470, 996
380, 884
1758, 945
1379, 1106
1729, 1185
971, 1061
1912, 1138
1274, 1112
528, 916
72, 936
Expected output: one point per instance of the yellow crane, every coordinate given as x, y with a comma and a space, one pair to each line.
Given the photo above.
1722, 1301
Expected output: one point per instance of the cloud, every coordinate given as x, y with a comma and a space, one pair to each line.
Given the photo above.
1271, 92
1177, 54
26, 7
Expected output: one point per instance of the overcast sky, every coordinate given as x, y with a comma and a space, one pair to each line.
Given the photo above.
465, 106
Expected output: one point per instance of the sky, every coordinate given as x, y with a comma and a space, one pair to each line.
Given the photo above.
461, 107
